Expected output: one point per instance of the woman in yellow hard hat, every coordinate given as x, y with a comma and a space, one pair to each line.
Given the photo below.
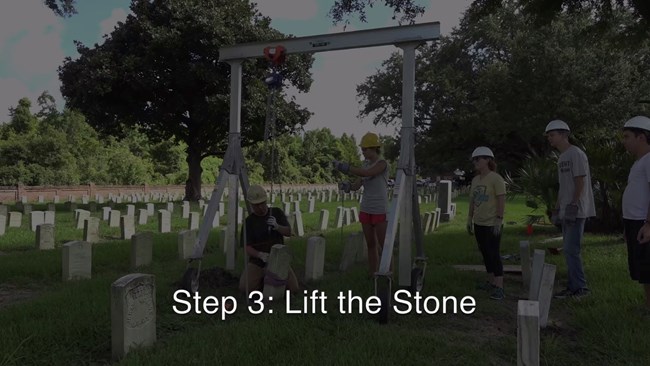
373, 176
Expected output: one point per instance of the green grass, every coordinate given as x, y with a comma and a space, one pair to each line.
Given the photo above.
56, 323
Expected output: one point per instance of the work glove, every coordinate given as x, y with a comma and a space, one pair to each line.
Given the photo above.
263, 256
555, 217
345, 187
272, 222
341, 166
570, 213
496, 229
470, 225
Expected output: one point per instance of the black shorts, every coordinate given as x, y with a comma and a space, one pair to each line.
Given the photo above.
638, 255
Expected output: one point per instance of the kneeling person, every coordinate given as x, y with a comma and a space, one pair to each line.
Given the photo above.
265, 227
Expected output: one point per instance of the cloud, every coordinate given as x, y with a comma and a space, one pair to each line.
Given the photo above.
31, 42
107, 25
288, 9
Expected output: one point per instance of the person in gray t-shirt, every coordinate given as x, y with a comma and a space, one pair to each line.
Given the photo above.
373, 176
575, 203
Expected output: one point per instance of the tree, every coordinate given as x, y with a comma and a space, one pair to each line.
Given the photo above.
159, 71
499, 79
62, 8
406, 10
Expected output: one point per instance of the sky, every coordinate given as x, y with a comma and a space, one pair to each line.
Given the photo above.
34, 42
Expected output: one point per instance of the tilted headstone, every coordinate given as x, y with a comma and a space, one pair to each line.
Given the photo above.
133, 313
528, 333
193, 220
297, 226
83, 216
15, 219
546, 293
324, 219
277, 272
45, 236
536, 274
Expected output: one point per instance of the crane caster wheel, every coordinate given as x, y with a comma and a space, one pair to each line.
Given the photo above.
190, 281
417, 280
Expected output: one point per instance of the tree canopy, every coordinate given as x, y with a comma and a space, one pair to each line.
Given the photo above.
159, 71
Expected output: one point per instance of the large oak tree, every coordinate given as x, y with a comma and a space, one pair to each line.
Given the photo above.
159, 71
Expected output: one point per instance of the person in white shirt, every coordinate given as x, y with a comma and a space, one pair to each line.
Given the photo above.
575, 203
636, 199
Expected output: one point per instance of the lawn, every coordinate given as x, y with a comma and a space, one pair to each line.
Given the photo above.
45, 321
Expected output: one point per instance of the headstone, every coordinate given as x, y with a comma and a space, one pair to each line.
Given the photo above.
193, 220
438, 214
106, 211
324, 219
114, 218
339, 216
141, 249
15, 219
428, 216
277, 272
45, 236
130, 210
362, 251
4, 210
296, 206
444, 200
91, 230
347, 219
186, 239
170, 207
536, 274
77, 260
150, 209
127, 227
3, 224
298, 228
186, 210
315, 259
546, 293
354, 214
56, 199
312, 204
27, 209
286, 207
50, 217
524, 256
133, 313
350, 250
36, 218
528, 333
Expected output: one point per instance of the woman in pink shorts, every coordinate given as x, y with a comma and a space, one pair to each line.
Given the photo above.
373, 176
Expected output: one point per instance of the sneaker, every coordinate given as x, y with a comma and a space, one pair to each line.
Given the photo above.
580, 293
563, 294
497, 294
485, 286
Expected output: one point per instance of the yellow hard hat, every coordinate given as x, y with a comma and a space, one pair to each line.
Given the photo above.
370, 140
256, 194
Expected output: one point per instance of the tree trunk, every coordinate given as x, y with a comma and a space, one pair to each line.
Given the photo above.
193, 183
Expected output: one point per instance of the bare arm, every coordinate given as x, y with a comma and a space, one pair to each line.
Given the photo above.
369, 172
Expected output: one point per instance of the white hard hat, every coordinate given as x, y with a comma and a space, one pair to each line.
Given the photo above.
482, 151
557, 124
641, 122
